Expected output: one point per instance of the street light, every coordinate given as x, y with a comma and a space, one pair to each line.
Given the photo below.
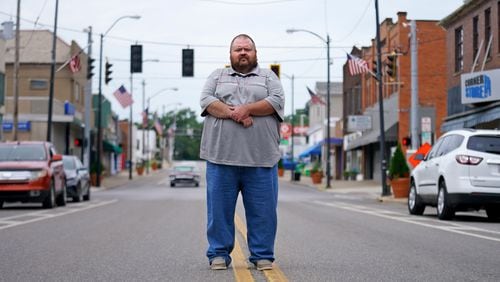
149, 99
327, 42
99, 100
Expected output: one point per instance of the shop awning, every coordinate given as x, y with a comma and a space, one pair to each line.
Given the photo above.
110, 147
472, 118
313, 150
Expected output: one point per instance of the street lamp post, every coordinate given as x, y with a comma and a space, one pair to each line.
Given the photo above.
99, 100
292, 78
148, 104
328, 154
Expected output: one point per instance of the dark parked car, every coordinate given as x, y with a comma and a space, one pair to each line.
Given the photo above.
184, 174
77, 179
31, 171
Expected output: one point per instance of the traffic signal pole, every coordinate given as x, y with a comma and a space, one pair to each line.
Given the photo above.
88, 105
415, 144
383, 166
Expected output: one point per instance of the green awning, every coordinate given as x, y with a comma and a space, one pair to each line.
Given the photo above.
110, 147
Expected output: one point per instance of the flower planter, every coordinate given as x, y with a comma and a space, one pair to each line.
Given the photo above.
281, 172
400, 187
140, 170
316, 177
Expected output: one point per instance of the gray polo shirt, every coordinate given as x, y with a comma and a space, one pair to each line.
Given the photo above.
226, 142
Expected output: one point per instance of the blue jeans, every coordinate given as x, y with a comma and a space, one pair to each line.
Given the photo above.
259, 189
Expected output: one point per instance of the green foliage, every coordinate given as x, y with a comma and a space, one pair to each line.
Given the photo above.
398, 167
93, 167
316, 167
186, 147
280, 163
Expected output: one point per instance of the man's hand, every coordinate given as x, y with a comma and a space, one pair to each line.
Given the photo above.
247, 122
240, 113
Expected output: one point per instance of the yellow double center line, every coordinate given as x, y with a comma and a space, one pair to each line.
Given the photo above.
240, 265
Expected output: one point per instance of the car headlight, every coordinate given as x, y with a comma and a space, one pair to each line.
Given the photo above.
36, 174
172, 177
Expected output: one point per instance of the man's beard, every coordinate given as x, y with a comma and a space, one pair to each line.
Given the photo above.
245, 68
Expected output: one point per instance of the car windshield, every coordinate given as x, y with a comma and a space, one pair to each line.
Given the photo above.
183, 168
485, 143
17, 152
68, 163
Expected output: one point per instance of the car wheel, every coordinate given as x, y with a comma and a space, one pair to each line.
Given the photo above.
61, 199
78, 197
172, 184
493, 213
415, 205
1, 204
444, 210
197, 184
86, 197
50, 201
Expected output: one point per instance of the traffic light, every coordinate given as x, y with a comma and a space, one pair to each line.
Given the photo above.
406, 141
276, 69
187, 62
392, 65
107, 73
374, 66
78, 142
90, 66
135, 58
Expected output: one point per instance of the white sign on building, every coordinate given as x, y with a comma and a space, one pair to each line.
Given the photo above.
481, 86
359, 123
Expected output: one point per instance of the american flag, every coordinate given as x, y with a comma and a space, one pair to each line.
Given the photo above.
123, 97
357, 65
158, 127
74, 64
315, 99
145, 118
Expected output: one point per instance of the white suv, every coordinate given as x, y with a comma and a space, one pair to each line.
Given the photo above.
461, 172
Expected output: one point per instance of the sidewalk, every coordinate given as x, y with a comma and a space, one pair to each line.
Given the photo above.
371, 187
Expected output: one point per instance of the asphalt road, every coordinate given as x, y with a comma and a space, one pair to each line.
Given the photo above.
147, 231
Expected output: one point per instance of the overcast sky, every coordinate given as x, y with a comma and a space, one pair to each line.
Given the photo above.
207, 26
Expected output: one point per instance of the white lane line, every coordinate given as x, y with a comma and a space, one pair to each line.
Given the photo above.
410, 219
38, 216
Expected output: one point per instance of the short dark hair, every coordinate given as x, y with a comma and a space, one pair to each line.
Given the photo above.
243, 36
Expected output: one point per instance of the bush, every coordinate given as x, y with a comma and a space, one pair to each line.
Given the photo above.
398, 166
316, 167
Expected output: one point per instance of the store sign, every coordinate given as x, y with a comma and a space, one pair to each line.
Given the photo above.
359, 123
21, 126
482, 86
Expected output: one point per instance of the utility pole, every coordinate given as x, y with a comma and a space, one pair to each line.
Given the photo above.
16, 73
52, 76
88, 101
415, 144
385, 189
147, 125
130, 145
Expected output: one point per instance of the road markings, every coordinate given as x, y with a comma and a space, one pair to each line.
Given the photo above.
240, 267
275, 274
444, 226
21, 219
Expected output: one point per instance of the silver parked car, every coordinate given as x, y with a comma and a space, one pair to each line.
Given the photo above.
184, 174
461, 172
77, 179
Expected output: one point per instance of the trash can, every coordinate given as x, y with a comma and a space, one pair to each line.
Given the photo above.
296, 176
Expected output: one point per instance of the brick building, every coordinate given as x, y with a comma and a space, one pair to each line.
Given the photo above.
362, 118
472, 35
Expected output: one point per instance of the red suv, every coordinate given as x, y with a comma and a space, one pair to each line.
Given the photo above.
31, 171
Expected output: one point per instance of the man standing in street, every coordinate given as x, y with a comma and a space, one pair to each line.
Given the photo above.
243, 106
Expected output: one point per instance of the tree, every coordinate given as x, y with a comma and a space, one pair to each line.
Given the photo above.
187, 133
